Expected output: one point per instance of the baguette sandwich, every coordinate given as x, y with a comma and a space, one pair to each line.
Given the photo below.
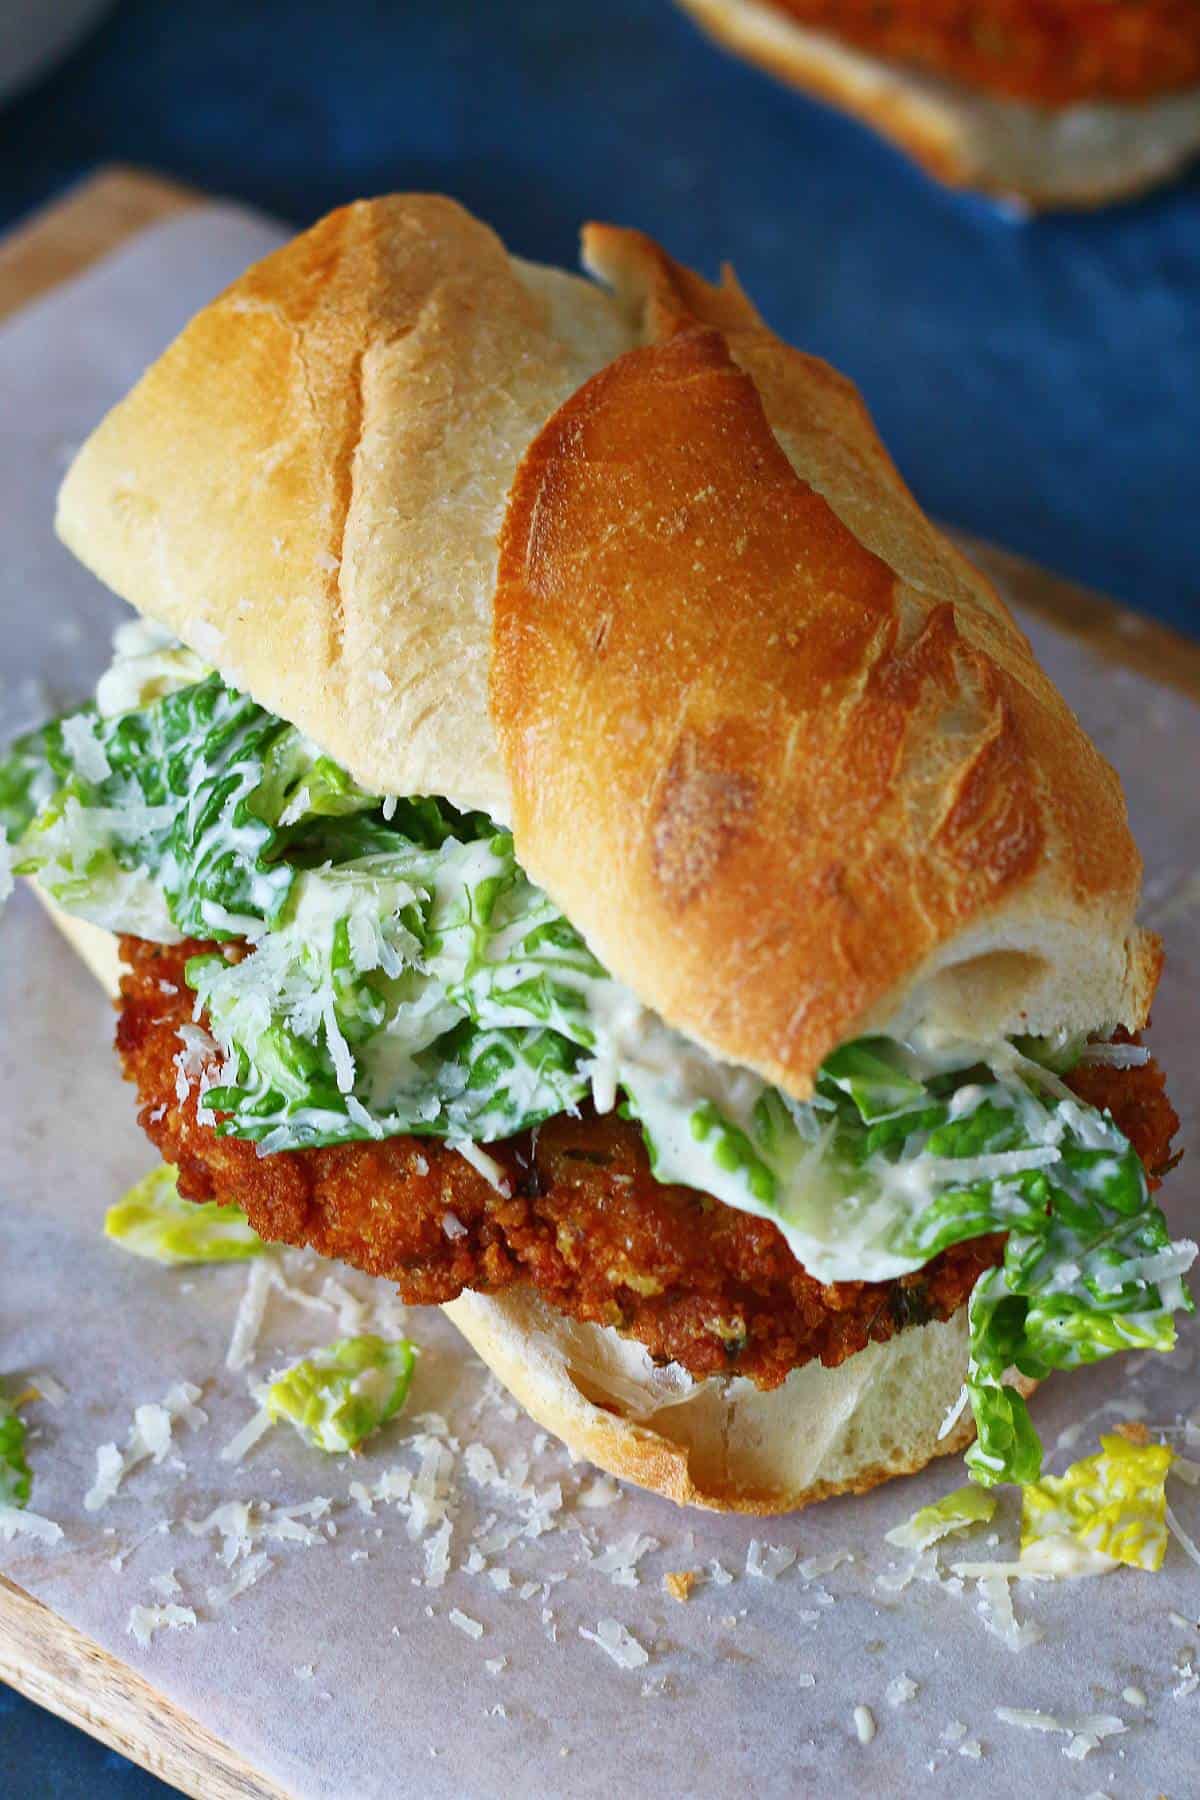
1058, 103
567, 835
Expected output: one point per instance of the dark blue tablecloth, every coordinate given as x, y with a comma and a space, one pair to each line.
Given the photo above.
1037, 382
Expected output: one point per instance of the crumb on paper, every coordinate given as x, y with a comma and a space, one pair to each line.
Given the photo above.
618, 1643
465, 1623
864, 1724
900, 1690
144, 1621
680, 1582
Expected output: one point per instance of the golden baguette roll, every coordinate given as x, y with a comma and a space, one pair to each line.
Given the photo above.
721, 1443
1084, 154
621, 566
773, 745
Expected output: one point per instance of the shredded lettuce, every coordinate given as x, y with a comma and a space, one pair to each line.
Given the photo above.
1113, 1503
958, 1511
16, 1479
154, 1221
405, 976
341, 1395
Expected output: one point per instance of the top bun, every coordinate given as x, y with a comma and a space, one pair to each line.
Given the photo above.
771, 743
308, 486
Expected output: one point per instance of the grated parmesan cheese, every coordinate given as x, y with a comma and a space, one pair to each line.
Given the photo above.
864, 1724
144, 1621
482, 1163
465, 1623
619, 1562
768, 1561
1085, 1733
900, 1690
256, 1426
813, 1566
250, 1571
603, 1491
16, 1521
437, 1555
618, 1643
149, 1439
1181, 1537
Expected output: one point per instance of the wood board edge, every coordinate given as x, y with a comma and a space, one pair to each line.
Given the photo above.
53, 1664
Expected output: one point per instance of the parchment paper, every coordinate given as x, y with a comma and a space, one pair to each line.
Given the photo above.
341, 1672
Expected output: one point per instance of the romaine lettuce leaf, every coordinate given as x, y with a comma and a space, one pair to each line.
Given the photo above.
31, 770
154, 1221
1113, 1503
16, 1480
958, 1511
340, 1395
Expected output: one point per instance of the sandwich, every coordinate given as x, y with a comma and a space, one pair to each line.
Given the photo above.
1074, 103
568, 836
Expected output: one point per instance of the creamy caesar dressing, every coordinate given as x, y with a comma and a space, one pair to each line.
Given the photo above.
148, 662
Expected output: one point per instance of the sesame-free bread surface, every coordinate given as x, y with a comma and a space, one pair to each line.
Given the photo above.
307, 486
774, 746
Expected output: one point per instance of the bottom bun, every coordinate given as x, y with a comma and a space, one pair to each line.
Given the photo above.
721, 1443
1075, 156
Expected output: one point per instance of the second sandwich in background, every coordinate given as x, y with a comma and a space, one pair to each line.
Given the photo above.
1050, 103
585, 847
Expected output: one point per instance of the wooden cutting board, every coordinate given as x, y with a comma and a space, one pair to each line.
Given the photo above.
40, 1654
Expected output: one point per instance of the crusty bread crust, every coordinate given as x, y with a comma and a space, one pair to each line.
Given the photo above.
307, 486
777, 749
1084, 155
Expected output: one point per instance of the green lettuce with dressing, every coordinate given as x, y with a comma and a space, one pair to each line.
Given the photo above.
407, 977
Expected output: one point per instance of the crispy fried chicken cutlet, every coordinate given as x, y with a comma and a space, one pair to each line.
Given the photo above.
585, 1223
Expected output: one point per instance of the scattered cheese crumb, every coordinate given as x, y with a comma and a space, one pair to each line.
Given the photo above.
603, 1491
149, 1438
1084, 1733
812, 1566
619, 1562
864, 1724
15, 1521
900, 1690
251, 1570
464, 1622
768, 1561
144, 1621
617, 1642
